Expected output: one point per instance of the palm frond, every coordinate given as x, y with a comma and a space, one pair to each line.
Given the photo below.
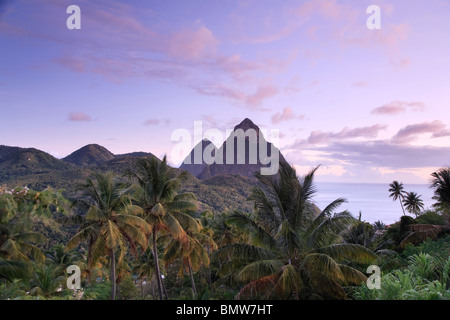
259, 235
261, 288
323, 264
347, 251
259, 269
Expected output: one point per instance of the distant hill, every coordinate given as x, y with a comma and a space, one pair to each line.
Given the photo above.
121, 163
222, 164
21, 161
217, 187
92, 154
6, 151
138, 154
35, 168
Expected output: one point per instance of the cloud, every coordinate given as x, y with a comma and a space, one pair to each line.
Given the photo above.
151, 122
262, 93
411, 132
73, 63
210, 120
344, 25
327, 9
252, 100
401, 63
397, 107
286, 115
319, 137
387, 155
361, 84
192, 44
79, 117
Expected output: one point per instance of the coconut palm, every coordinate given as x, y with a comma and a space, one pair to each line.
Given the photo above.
155, 191
10, 270
17, 245
194, 253
397, 193
413, 204
295, 250
62, 258
46, 281
379, 226
441, 186
111, 222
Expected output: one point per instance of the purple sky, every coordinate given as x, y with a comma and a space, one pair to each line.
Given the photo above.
368, 105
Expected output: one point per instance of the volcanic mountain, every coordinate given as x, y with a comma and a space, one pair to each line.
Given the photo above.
246, 157
91, 154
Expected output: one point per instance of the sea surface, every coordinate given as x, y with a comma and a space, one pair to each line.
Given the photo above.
371, 199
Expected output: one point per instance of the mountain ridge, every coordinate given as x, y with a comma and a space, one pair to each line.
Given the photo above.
215, 190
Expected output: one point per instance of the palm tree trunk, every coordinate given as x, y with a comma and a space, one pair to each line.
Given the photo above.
113, 275
209, 269
401, 203
158, 272
164, 289
4, 296
194, 289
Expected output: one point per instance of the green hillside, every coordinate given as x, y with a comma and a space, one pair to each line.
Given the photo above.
38, 170
91, 154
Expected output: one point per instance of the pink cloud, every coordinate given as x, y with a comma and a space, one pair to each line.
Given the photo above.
73, 63
192, 44
345, 24
397, 107
210, 120
411, 132
328, 9
286, 115
317, 137
252, 100
401, 63
79, 117
151, 122
389, 37
361, 84
262, 93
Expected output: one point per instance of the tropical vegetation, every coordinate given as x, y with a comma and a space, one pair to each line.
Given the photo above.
143, 234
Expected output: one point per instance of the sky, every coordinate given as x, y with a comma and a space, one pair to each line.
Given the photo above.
368, 105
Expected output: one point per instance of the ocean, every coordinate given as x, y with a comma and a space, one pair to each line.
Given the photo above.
372, 199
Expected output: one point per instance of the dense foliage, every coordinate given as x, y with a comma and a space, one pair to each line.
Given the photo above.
147, 235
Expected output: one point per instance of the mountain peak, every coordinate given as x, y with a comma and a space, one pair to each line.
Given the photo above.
89, 154
247, 124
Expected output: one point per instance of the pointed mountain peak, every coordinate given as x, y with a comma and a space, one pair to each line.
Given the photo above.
205, 142
247, 124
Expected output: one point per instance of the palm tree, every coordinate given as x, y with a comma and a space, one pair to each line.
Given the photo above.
155, 191
379, 226
16, 244
111, 221
46, 281
413, 203
441, 186
10, 270
194, 254
295, 250
397, 193
62, 258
